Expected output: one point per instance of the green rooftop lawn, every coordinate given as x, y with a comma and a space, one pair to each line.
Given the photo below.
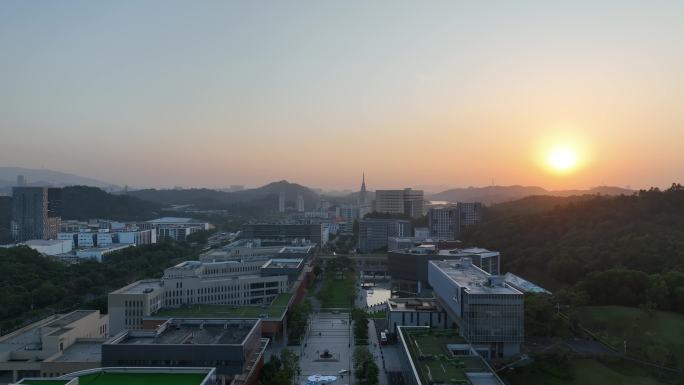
275, 310
142, 379
442, 366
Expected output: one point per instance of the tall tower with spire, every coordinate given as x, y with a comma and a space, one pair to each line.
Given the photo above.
362, 194
364, 207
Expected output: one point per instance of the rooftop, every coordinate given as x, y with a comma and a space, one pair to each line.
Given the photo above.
29, 337
174, 220
413, 304
444, 357
140, 287
192, 332
280, 263
129, 376
82, 351
475, 280
276, 310
44, 242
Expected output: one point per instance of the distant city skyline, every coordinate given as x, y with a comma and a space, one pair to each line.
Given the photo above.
166, 93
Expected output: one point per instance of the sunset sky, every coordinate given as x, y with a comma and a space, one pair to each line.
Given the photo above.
164, 93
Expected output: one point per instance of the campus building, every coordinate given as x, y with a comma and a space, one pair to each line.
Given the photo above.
374, 232
132, 375
53, 346
430, 356
447, 223
409, 267
233, 347
489, 313
235, 283
407, 201
416, 312
315, 233
175, 228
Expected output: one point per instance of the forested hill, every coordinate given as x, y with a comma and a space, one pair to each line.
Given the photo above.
560, 243
264, 197
83, 202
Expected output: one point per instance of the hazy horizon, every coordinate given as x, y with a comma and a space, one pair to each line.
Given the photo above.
166, 93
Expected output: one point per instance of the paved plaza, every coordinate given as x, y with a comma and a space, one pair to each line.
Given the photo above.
328, 331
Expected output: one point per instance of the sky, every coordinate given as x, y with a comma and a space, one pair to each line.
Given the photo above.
449, 93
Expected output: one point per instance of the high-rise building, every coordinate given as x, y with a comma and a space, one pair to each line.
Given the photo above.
36, 212
21, 180
300, 203
281, 202
406, 201
447, 223
469, 213
374, 233
443, 223
488, 311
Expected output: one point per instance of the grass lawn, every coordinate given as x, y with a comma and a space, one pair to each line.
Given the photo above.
142, 379
275, 310
337, 292
646, 335
582, 372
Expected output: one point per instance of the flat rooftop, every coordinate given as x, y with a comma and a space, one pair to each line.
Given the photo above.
276, 310
127, 378
474, 279
281, 263
29, 338
70, 318
82, 351
413, 304
181, 333
44, 242
139, 287
438, 357
174, 220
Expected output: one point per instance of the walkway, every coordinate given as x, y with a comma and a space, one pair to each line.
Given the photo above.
328, 331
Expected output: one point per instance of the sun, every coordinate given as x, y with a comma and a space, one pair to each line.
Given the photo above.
562, 159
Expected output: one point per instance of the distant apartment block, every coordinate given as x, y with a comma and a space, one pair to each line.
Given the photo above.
315, 233
374, 232
36, 212
174, 228
447, 223
407, 201
489, 312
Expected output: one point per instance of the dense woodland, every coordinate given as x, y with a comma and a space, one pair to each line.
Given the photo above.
34, 286
624, 250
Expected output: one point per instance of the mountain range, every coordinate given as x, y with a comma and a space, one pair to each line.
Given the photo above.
44, 177
498, 194
203, 198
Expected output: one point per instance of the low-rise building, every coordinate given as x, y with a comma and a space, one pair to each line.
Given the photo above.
417, 312
50, 247
133, 375
189, 283
99, 253
442, 357
53, 346
233, 347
